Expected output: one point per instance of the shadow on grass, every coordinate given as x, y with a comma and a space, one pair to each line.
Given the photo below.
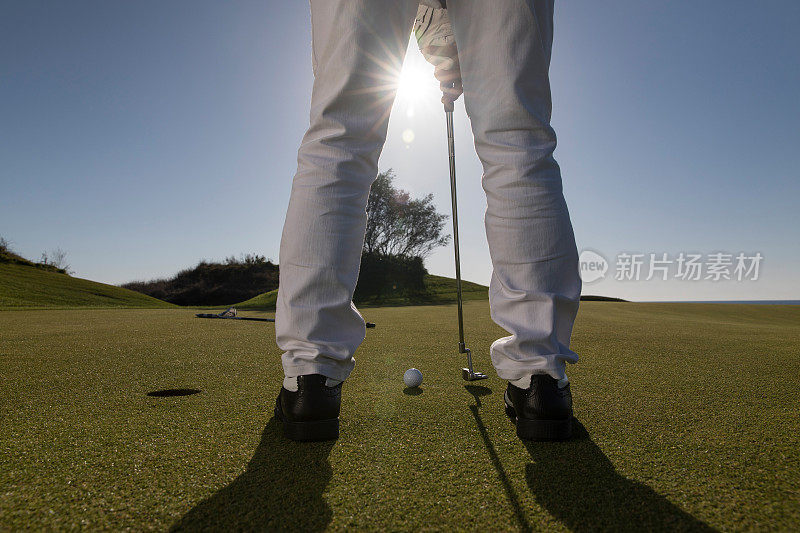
281, 489
477, 391
578, 485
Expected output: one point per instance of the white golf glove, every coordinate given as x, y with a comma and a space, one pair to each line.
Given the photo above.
436, 42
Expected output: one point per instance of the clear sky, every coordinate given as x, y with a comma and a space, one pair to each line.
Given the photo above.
143, 136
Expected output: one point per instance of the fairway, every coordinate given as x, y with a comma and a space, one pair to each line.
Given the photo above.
688, 415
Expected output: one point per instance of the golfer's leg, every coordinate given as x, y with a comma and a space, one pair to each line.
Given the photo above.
504, 49
358, 49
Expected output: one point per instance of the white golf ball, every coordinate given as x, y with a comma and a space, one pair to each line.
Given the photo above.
412, 378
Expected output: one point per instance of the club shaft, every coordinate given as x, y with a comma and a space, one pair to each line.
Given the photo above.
454, 199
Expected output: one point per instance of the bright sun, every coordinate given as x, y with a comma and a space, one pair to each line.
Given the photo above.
412, 82
416, 78
417, 91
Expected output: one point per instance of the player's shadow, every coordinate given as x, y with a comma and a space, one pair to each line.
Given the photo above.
280, 489
578, 485
477, 391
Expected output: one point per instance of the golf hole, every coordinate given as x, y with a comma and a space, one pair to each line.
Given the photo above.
166, 393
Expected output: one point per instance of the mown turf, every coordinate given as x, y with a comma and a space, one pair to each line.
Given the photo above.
438, 290
23, 286
689, 413
264, 301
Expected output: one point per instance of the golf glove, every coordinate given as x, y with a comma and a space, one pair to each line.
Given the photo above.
436, 42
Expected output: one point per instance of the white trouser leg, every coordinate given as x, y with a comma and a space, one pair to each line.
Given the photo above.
504, 48
358, 49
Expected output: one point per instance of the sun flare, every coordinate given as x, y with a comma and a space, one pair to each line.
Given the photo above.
416, 78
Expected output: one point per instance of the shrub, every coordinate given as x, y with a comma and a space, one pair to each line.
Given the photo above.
7, 255
385, 276
210, 283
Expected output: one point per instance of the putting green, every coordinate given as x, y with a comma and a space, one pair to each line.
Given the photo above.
689, 414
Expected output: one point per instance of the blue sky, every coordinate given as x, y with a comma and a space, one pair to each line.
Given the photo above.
143, 136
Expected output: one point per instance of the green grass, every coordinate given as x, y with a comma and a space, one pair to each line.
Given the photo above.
438, 290
689, 413
25, 286
264, 301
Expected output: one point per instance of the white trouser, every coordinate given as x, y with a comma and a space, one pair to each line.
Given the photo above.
358, 49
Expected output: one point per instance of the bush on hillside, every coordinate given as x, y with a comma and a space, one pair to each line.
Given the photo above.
55, 258
7, 255
236, 280
387, 276
212, 284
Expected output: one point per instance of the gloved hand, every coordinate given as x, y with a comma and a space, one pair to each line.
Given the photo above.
436, 42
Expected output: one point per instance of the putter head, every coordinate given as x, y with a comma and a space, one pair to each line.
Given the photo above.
468, 373
471, 375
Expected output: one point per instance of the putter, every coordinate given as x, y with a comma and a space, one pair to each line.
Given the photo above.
468, 373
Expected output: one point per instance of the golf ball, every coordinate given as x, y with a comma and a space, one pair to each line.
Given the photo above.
412, 378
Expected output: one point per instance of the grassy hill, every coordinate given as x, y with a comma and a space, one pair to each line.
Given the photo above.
264, 300
439, 290
30, 286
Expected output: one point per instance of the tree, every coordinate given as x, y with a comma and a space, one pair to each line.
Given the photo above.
387, 276
400, 226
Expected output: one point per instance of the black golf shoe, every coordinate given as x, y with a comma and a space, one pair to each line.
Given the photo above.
311, 413
543, 411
